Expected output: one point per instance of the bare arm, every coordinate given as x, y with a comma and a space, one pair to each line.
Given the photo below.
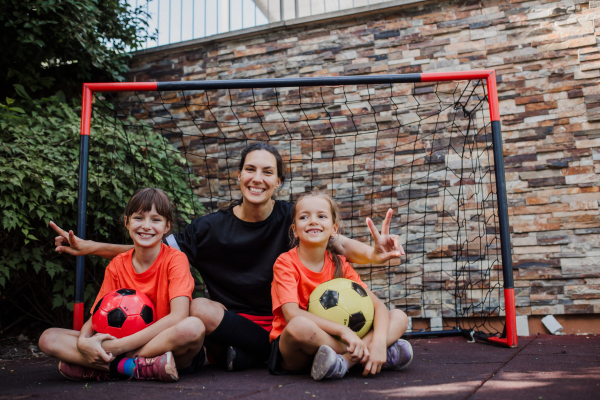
385, 246
377, 348
68, 243
180, 309
90, 345
355, 251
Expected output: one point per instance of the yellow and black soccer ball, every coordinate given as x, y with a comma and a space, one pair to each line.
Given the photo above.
345, 302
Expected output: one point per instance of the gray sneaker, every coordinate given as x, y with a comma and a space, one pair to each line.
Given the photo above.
328, 365
399, 355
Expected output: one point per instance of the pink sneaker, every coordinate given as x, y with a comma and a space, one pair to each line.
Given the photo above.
161, 368
78, 373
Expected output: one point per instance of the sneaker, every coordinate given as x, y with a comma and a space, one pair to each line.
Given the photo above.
76, 372
328, 364
399, 355
239, 360
161, 368
232, 352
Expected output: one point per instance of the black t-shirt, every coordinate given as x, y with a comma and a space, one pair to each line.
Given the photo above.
235, 258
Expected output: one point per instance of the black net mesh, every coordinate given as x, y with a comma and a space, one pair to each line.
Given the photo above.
422, 149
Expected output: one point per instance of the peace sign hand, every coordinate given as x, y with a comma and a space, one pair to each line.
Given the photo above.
69, 243
385, 246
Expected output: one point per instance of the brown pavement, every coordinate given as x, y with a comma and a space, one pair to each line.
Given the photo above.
543, 367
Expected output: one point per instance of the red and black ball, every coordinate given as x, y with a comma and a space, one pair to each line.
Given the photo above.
123, 312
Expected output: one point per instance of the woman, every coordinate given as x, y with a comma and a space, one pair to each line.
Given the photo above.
234, 250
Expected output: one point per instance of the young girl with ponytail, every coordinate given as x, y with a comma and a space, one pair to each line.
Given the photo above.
301, 340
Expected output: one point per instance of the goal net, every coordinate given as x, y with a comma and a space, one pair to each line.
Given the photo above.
421, 144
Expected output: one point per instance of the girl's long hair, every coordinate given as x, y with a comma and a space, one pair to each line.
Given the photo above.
335, 215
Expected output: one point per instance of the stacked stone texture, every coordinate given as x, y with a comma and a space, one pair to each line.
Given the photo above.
547, 60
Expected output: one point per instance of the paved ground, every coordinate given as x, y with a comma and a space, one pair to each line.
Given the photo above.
543, 367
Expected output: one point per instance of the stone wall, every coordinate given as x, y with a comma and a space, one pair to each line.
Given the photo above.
547, 60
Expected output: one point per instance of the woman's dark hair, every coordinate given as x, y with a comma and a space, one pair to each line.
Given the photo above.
266, 147
142, 201
336, 219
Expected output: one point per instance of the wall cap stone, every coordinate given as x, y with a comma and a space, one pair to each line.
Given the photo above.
244, 33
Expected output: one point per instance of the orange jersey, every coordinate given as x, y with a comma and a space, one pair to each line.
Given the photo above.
293, 283
167, 278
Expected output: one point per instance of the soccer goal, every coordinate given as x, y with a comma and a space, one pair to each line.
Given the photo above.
426, 145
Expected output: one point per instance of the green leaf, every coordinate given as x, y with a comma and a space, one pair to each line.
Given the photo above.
57, 301
21, 91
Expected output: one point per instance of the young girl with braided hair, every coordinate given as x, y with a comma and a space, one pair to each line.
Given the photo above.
301, 340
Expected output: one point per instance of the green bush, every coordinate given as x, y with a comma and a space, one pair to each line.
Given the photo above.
51, 45
39, 161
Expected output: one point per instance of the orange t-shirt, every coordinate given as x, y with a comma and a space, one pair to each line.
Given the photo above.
167, 278
293, 283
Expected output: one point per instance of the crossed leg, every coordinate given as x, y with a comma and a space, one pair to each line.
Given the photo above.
184, 340
301, 339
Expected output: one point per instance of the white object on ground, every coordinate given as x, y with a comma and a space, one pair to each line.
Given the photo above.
552, 325
435, 323
409, 328
522, 325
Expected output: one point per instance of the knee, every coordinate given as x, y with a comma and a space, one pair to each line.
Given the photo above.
399, 317
47, 341
198, 307
190, 330
209, 312
300, 329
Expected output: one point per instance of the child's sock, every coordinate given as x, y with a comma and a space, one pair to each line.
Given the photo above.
122, 366
126, 366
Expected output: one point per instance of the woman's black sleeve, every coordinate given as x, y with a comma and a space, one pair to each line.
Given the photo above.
188, 239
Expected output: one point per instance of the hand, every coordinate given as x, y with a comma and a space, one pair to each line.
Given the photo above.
91, 349
114, 346
377, 357
354, 345
69, 243
385, 246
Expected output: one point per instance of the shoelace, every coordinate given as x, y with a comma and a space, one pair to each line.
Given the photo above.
102, 377
392, 356
340, 367
135, 369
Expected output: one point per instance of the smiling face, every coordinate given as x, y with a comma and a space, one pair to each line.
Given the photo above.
147, 228
313, 223
258, 177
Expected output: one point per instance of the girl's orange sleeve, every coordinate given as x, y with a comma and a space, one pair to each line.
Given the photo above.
285, 282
